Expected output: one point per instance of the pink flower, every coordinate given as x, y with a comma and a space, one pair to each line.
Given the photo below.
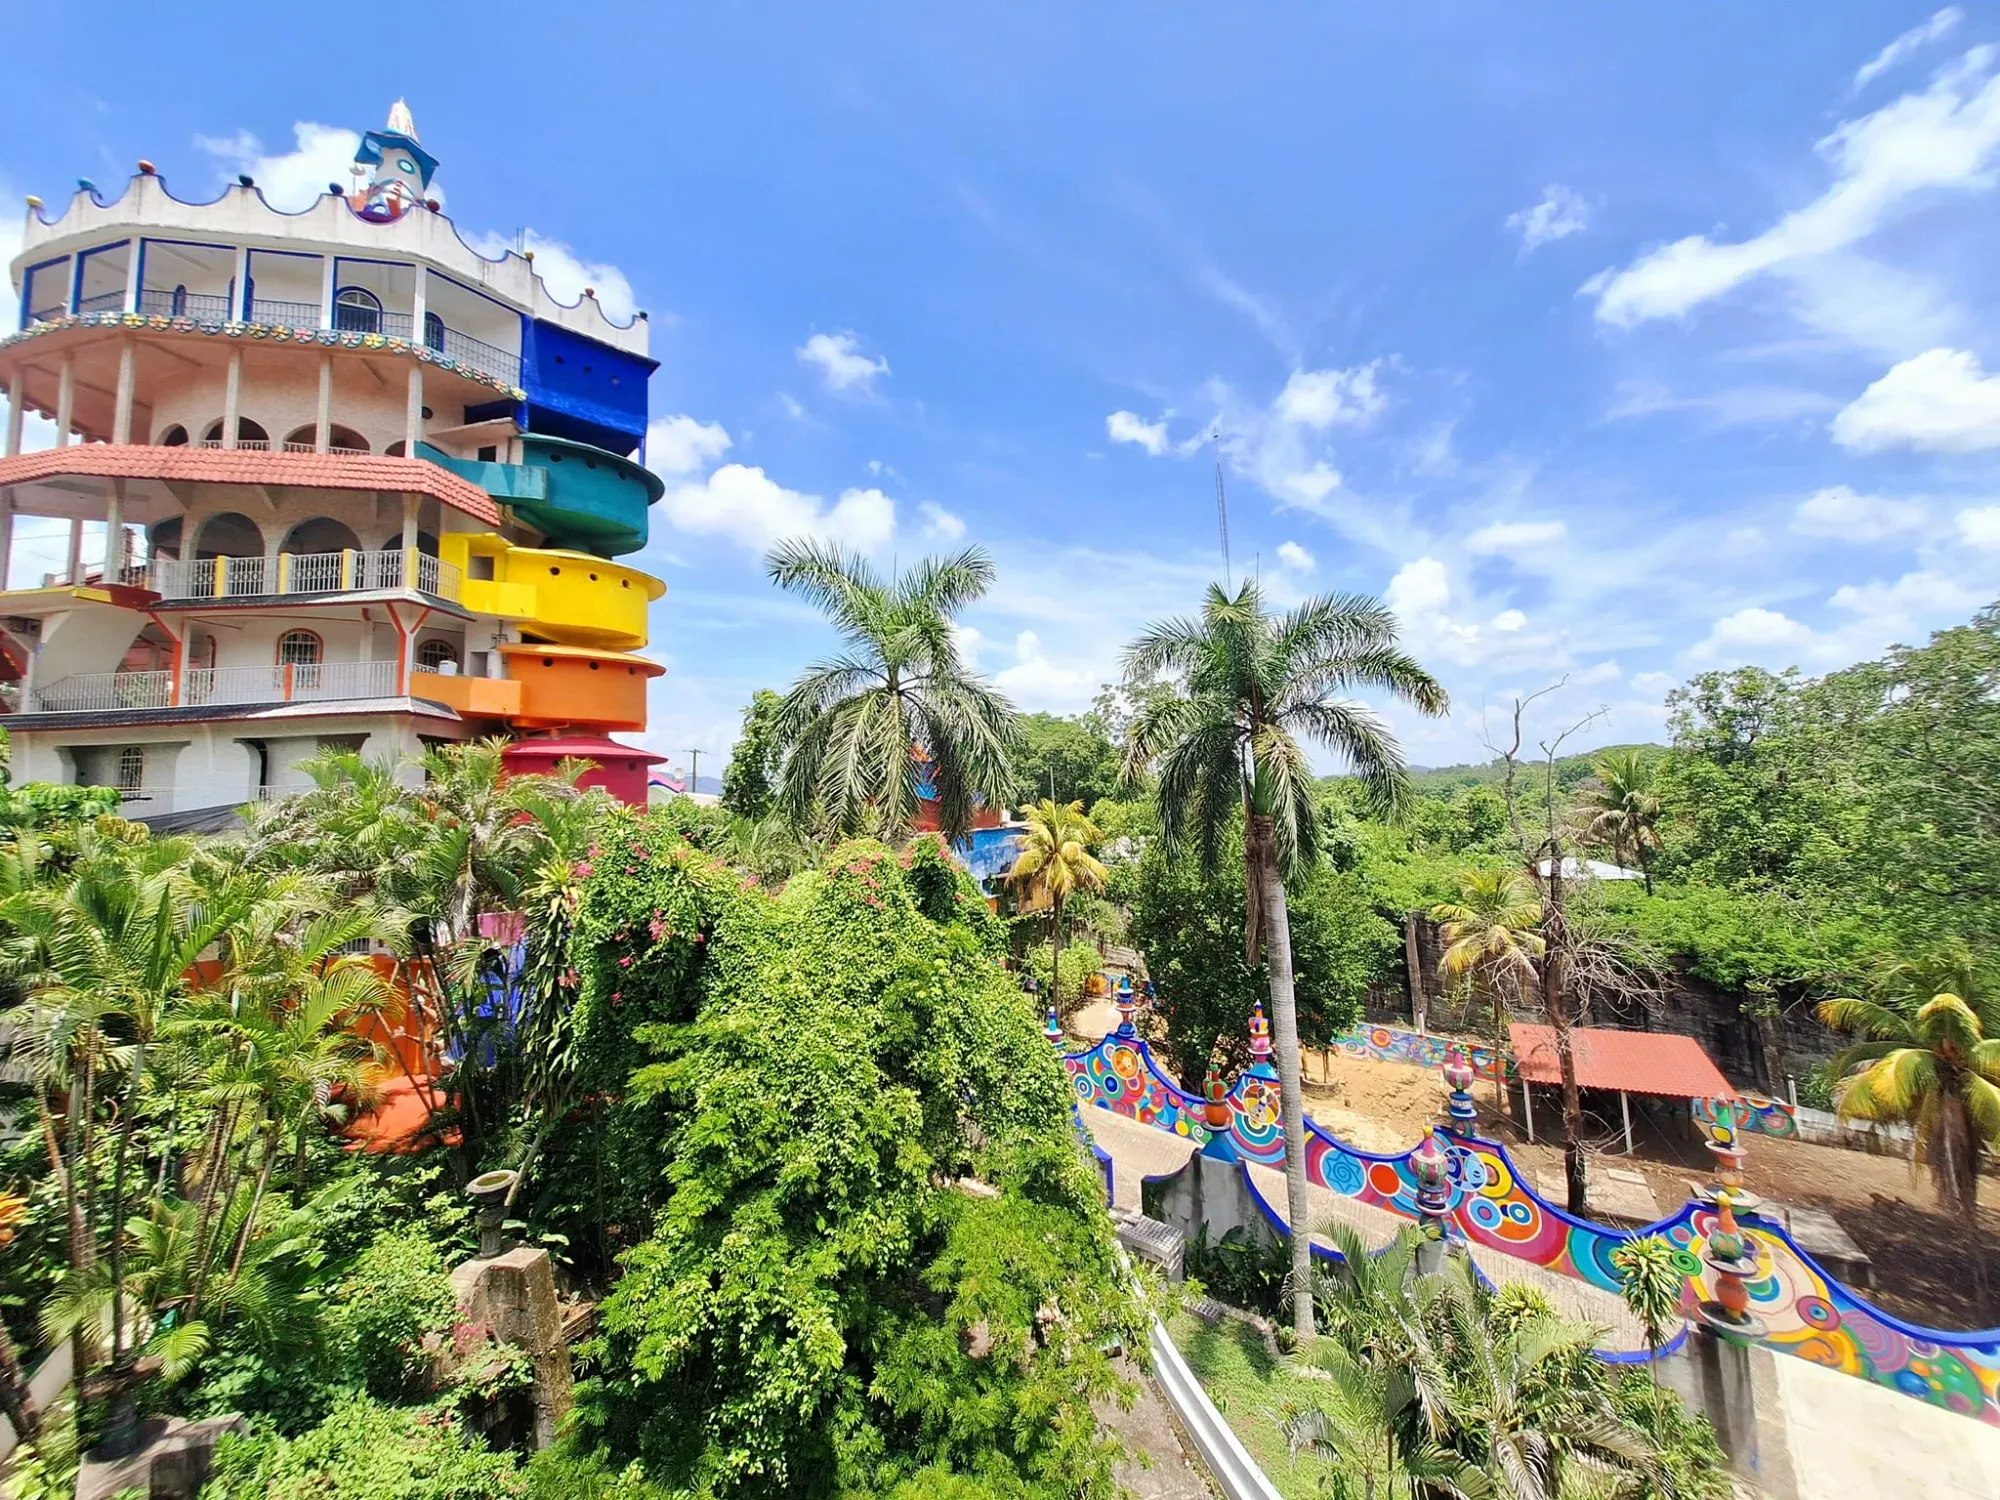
616, 996
583, 866
593, 851
625, 962
657, 928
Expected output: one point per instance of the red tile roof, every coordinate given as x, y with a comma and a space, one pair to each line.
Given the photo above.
318, 471
1639, 1062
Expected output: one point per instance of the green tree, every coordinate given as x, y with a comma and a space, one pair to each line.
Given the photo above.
864, 727
1624, 807
1934, 1066
1490, 939
1066, 760
1651, 1281
1189, 924
1253, 683
1055, 863
750, 780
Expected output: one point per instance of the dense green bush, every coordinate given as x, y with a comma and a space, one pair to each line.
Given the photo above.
393, 1311
366, 1451
830, 1303
1080, 960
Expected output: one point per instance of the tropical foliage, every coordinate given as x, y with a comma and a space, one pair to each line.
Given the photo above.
865, 729
1054, 865
1252, 685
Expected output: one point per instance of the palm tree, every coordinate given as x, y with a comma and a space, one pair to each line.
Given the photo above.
1651, 1281
1933, 1066
1357, 1424
1055, 863
1489, 934
1625, 807
864, 727
1250, 684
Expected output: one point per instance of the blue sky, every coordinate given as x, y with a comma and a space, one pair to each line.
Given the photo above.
1607, 342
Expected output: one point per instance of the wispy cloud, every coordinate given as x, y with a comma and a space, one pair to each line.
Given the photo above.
1560, 213
1906, 46
842, 365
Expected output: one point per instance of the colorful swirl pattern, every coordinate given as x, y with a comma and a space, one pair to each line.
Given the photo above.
1806, 1313
1755, 1115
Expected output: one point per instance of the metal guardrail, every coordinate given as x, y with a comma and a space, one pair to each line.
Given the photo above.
308, 573
280, 314
98, 691
203, 307
102, 302
47, 314
482, 356
1235, 1472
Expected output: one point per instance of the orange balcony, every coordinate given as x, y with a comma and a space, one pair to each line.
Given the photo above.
471, 697
562, 685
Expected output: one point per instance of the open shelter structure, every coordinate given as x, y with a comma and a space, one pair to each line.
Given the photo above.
1621, 1062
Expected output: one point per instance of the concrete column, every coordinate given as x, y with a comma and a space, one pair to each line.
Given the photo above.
326, 291
134, 268
413, 417
410, 504
75, 574
232, 398
121, 420
241, 311
16, 412
323, 418
419, 304
6, 538
114, 533
65, 400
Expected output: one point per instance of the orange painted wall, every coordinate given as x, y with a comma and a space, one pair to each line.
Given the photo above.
606, 693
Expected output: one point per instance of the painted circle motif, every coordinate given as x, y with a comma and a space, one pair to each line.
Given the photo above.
1819, 1313
1343, 1174
1385, 1179
1887, 1351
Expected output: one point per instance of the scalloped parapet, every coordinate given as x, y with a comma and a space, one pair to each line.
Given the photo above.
243, 216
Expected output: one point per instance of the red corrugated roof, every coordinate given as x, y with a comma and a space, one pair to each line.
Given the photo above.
1639, 1062
315, 471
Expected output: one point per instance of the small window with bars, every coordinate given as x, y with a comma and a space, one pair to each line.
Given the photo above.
131, 768
299, 648
437, 656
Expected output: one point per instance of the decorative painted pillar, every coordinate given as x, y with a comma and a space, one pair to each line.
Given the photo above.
1215, 1114
1731, 1254
1260, 1045
1123, 1000
1432, 1170
1458, 1076
1052, 1029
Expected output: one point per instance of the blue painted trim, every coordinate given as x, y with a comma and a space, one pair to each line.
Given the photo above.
140, 281
28, 285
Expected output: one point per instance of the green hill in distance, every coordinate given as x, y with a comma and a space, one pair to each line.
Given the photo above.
1571, 770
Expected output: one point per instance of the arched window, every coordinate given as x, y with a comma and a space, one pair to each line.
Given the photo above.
432, 656
357, 310
175, 436
338, 439
397, 449
131, 768
248, 433
299, 648
434, 331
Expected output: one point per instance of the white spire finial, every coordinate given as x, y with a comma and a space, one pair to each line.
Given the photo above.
401, 122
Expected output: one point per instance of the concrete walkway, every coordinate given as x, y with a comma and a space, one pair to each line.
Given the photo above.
1853, 1440
1140, 1151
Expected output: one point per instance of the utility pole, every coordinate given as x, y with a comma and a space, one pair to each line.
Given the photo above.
694, 775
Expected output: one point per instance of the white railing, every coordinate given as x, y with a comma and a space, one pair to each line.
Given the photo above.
98, 691
289, 683
203, 687
243, 445
307, 573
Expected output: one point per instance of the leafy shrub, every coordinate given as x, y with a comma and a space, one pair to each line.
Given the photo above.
1079, 961
366, 1451
1244, 1269
821, 1307
396, 1299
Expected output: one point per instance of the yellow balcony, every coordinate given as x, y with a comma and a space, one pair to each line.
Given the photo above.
570, 597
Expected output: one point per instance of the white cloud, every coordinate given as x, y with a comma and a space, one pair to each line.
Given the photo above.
792, 407
1749, 632
1944, 137
1129, 427
1914, 594
680, 445
1841, 513
1509, 620
1654, 682
1295, 558
1310, 485
841, 363
1420, 587
745, 505
1507, 538
1980, 527
565, 275
1561, 213
1941, 400
1323, 398
1907, 45
1038, 684
295, 179
940, 525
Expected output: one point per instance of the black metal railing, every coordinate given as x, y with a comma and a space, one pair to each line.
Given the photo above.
203, 307
479, 354
276, 314
102, 302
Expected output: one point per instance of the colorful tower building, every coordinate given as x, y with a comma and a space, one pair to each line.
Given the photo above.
358, 485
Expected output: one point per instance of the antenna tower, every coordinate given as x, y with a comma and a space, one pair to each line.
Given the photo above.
1222, 520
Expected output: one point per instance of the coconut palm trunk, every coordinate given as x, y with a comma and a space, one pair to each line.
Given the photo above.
1270, 888
1557, 1009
